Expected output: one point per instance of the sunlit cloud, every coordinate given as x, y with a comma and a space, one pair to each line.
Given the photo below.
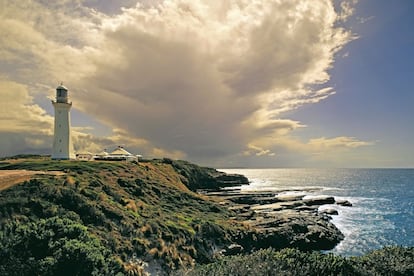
24, 126
337, 142
20, 114
204, 80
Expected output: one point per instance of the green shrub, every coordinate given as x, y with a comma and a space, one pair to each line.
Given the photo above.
386, 261
395, 260
271, 262
52, 246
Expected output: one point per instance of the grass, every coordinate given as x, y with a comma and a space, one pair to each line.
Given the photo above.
114, 218
141, 210
79, 167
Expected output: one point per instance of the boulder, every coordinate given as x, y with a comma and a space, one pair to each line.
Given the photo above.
344, 202
319, 200
330, 211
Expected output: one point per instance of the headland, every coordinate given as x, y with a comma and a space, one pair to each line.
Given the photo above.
154, 217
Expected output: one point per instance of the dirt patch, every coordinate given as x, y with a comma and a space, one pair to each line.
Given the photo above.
9, 178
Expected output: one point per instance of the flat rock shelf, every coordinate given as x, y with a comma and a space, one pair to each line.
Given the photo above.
280, 220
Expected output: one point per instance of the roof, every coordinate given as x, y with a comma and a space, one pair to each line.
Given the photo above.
61, 87
120, 151
84, 153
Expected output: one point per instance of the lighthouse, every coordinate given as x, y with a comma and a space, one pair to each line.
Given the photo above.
62, 142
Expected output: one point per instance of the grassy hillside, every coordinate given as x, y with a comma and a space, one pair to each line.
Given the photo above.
115, 218
127, 213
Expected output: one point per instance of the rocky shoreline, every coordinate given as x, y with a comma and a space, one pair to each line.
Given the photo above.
276, 219
280, 220
148, 213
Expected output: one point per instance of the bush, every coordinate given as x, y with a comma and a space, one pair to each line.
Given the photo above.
387, 261
53, 246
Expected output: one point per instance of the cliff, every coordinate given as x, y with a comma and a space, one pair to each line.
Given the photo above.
82, 218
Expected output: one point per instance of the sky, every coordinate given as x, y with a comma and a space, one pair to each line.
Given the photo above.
223, 83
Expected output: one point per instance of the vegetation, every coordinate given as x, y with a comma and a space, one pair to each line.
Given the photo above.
116, 218
26, 156
387, 261
52, 246
130, 213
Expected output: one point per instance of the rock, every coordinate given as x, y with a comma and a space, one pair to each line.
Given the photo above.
290, 228
277, 206
344, 202
319, 200
249, 199
226, 180
307, 208
290, 197
233, 249
279, 221
330, 211
196, 177
239, 208
246, 215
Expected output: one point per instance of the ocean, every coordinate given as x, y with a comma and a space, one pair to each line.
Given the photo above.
383, 201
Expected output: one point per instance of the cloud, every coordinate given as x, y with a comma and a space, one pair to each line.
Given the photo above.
20, 114
347, 9
204, 80
313, 146
200, 74
88, 142
24, 126
338, 151
337, 142
287, 150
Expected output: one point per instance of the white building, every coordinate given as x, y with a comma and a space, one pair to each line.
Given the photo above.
84, 156
62, 142
117, 155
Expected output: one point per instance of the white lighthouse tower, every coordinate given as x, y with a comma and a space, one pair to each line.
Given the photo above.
62, 143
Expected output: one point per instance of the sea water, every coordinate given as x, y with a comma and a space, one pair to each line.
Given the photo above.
383, 201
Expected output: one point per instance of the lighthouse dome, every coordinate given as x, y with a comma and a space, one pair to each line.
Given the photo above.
61, 87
